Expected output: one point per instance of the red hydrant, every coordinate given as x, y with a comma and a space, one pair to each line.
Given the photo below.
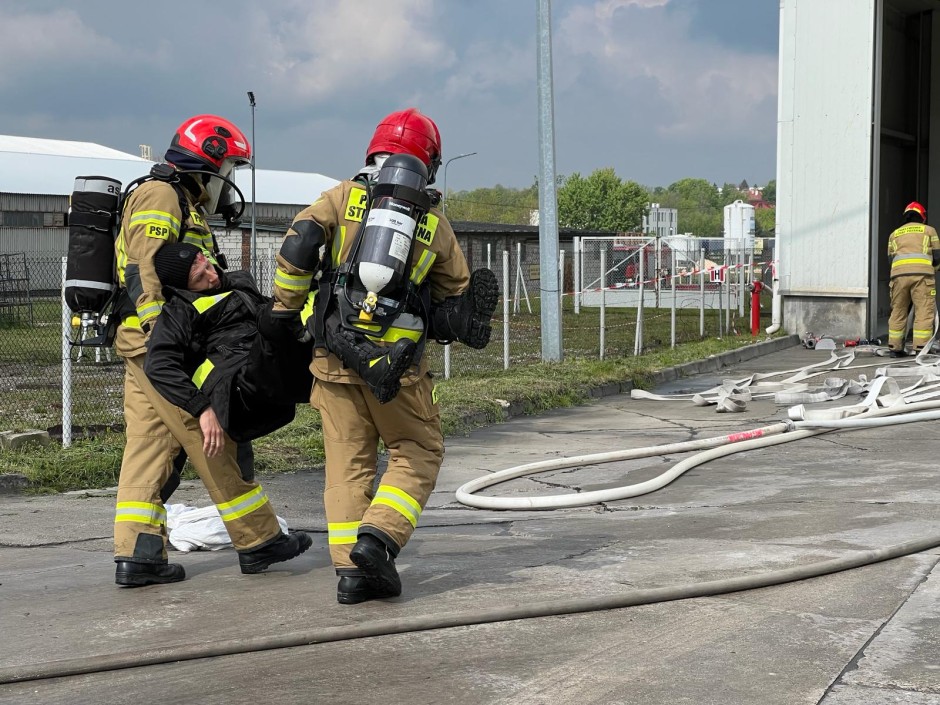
755, 288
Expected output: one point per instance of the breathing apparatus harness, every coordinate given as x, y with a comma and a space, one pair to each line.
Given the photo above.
96, 208
372, 289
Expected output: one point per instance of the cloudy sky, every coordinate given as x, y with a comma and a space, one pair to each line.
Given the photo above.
657, 89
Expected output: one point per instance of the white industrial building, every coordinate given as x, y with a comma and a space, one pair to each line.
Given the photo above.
37, 176
858, 139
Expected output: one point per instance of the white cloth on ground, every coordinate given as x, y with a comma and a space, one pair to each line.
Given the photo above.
196, 528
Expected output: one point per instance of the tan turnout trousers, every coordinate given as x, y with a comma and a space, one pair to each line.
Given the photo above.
919, 291
410, 427
156, 429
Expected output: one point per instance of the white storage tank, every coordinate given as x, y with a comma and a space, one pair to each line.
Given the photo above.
739, 226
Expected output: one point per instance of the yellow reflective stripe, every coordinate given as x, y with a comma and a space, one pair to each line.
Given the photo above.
337, 249
202, 372
395, 334
309, 307
162, 217
421, 269
922, 333
342, 532
901, 260
131, 322
204, 303
292, 282
140, 512
148, 311
200, 240
240, 506
156, 224
376, 361
400, 501
121, 255
434, 397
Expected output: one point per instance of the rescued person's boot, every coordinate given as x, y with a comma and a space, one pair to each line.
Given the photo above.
466, 318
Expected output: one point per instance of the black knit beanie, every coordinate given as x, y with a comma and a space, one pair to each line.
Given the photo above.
173, 263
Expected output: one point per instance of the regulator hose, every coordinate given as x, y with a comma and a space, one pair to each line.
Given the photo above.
450, 620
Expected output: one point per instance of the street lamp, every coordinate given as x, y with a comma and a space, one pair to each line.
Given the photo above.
459, 156
253, 248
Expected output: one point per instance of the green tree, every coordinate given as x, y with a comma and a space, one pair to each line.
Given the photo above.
498, 204
765, 221
699, 206
770, 192
601, 202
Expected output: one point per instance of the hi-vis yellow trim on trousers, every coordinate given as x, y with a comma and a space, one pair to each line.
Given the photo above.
204, 303
240, 506
202, 373
400, 501
141, 512
343, 532
292, 282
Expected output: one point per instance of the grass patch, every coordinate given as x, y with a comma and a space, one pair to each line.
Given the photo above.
470, 400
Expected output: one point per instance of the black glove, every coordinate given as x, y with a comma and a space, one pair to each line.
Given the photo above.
282, 326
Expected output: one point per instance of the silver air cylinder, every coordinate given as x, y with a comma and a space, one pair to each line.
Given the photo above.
398, 204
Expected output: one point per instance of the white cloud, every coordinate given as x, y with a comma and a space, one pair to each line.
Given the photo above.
41, 40
316, 50
705, 89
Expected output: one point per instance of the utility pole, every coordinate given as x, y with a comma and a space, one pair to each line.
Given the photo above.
548, 214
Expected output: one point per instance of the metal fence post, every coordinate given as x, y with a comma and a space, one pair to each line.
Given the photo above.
603, 300
638, 337
701, 306
66, 365
672, 282
505, 309
576, 274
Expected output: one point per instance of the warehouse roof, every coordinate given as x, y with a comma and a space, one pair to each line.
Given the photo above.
49, 167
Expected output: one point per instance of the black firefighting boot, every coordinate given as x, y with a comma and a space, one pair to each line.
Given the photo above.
377, 562
283, 548
897, 353
466, 318
132, 574
354, 587
380, 368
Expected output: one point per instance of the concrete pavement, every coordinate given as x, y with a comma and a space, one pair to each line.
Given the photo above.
862, 636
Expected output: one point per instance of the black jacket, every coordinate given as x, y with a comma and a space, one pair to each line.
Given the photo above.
205, 346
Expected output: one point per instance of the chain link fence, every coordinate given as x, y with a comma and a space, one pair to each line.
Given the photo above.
621, 297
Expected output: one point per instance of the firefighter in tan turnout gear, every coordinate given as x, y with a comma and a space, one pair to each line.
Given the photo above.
391, 275
915, 253
173, 207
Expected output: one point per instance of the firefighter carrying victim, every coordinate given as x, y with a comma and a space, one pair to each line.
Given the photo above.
173, 206
386, 269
